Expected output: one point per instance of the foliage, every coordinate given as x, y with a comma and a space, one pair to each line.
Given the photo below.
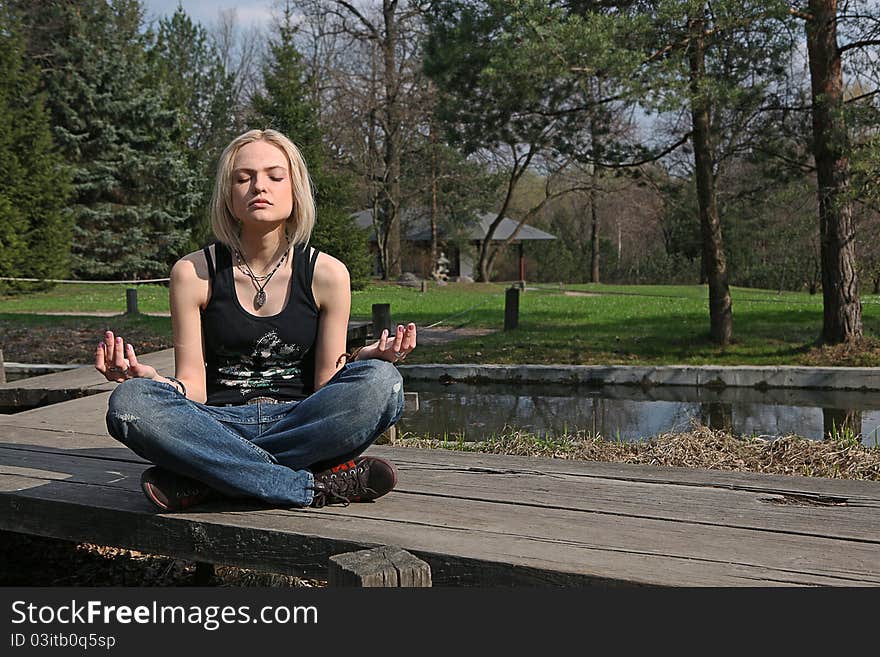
185, 62
34, 185
285, 106
118, 137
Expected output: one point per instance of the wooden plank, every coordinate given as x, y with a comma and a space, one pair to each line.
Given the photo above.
668, 501
584, 545
300, 540
854, 489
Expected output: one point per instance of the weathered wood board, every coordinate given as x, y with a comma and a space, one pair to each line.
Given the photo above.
475, 519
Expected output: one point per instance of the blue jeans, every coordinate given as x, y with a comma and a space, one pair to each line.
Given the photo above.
267, 451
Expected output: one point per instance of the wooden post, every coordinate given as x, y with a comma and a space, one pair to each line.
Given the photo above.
2, 368
381, 318
424, 286
511, 308
385, 566
522, 263
204, 574
131, 301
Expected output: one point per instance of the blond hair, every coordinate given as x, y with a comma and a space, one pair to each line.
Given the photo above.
302, 218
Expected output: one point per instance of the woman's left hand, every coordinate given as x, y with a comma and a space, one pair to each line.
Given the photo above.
393, 349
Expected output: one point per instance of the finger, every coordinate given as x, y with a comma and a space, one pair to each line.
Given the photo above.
398, 338
109, 343
383, 340
100, 363
132, 359
119, 355
409, 338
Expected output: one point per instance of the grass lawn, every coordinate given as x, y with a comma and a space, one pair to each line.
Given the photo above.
582, 324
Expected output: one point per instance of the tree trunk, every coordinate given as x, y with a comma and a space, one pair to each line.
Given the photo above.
720, 313
594, 231
435, 269
842, 317
390, 199
594, 196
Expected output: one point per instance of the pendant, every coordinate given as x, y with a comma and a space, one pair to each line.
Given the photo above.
259, 299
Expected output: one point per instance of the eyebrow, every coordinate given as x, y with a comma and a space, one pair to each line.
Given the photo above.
246, 170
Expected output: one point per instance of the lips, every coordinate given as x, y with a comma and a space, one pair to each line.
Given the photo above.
259, 202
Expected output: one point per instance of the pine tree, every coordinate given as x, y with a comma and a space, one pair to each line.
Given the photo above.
34, 230
285, 106
133, 187
184, 60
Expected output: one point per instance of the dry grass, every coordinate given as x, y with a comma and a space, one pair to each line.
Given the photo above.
702, 447
864, 352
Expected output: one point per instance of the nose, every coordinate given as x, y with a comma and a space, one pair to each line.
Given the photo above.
259, 184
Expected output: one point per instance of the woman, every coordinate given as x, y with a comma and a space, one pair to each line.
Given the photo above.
264, 402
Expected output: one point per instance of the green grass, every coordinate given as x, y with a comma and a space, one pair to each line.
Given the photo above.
610, 324
87, 298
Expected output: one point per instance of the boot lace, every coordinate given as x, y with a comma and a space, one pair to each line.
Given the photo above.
341, 486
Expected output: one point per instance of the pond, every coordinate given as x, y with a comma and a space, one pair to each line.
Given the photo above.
474, 411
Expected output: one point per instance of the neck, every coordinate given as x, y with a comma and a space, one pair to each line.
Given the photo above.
263, 250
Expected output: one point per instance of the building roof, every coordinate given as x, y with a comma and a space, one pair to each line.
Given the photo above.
418, 228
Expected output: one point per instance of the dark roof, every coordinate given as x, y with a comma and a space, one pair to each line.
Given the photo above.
418, 229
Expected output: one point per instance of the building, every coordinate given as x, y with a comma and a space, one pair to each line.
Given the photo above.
460, 247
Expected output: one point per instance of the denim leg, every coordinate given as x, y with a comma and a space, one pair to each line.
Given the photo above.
211, 444
339, 421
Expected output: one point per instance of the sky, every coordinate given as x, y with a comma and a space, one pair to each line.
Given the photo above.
249, 13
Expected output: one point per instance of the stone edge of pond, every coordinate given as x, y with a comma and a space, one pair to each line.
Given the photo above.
782, 376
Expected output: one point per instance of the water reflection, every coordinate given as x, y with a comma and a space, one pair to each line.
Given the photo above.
634, 413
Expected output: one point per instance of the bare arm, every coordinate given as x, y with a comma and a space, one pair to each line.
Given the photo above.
189, 293
332, 289
117, 360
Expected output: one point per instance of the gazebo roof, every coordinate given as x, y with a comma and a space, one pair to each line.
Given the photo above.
419, 230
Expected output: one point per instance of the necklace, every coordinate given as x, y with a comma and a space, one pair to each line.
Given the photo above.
260, 282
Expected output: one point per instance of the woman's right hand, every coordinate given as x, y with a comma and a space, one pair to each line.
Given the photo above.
117, 361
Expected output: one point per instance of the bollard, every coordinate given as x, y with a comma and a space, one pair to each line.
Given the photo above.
2, 368
381, 318
511, 308
385, 566
424, 286
131, 301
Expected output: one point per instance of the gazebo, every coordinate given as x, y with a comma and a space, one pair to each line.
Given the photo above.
416, 231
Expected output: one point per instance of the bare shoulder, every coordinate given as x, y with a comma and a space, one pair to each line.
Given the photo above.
330, 271
189, 277
331, 278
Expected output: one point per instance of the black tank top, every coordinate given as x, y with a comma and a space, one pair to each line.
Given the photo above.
248, 356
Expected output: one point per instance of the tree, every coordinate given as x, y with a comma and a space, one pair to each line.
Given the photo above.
376, 74
34, 184
185, 61
498, 105
132, 188
720, 62
285, 105
842, 307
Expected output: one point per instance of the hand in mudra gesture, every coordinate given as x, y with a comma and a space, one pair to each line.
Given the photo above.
393, 348
117, 361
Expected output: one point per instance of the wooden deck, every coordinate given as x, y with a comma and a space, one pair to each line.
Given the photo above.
476, 519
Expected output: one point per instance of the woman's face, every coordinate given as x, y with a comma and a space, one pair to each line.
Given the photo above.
261, 185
